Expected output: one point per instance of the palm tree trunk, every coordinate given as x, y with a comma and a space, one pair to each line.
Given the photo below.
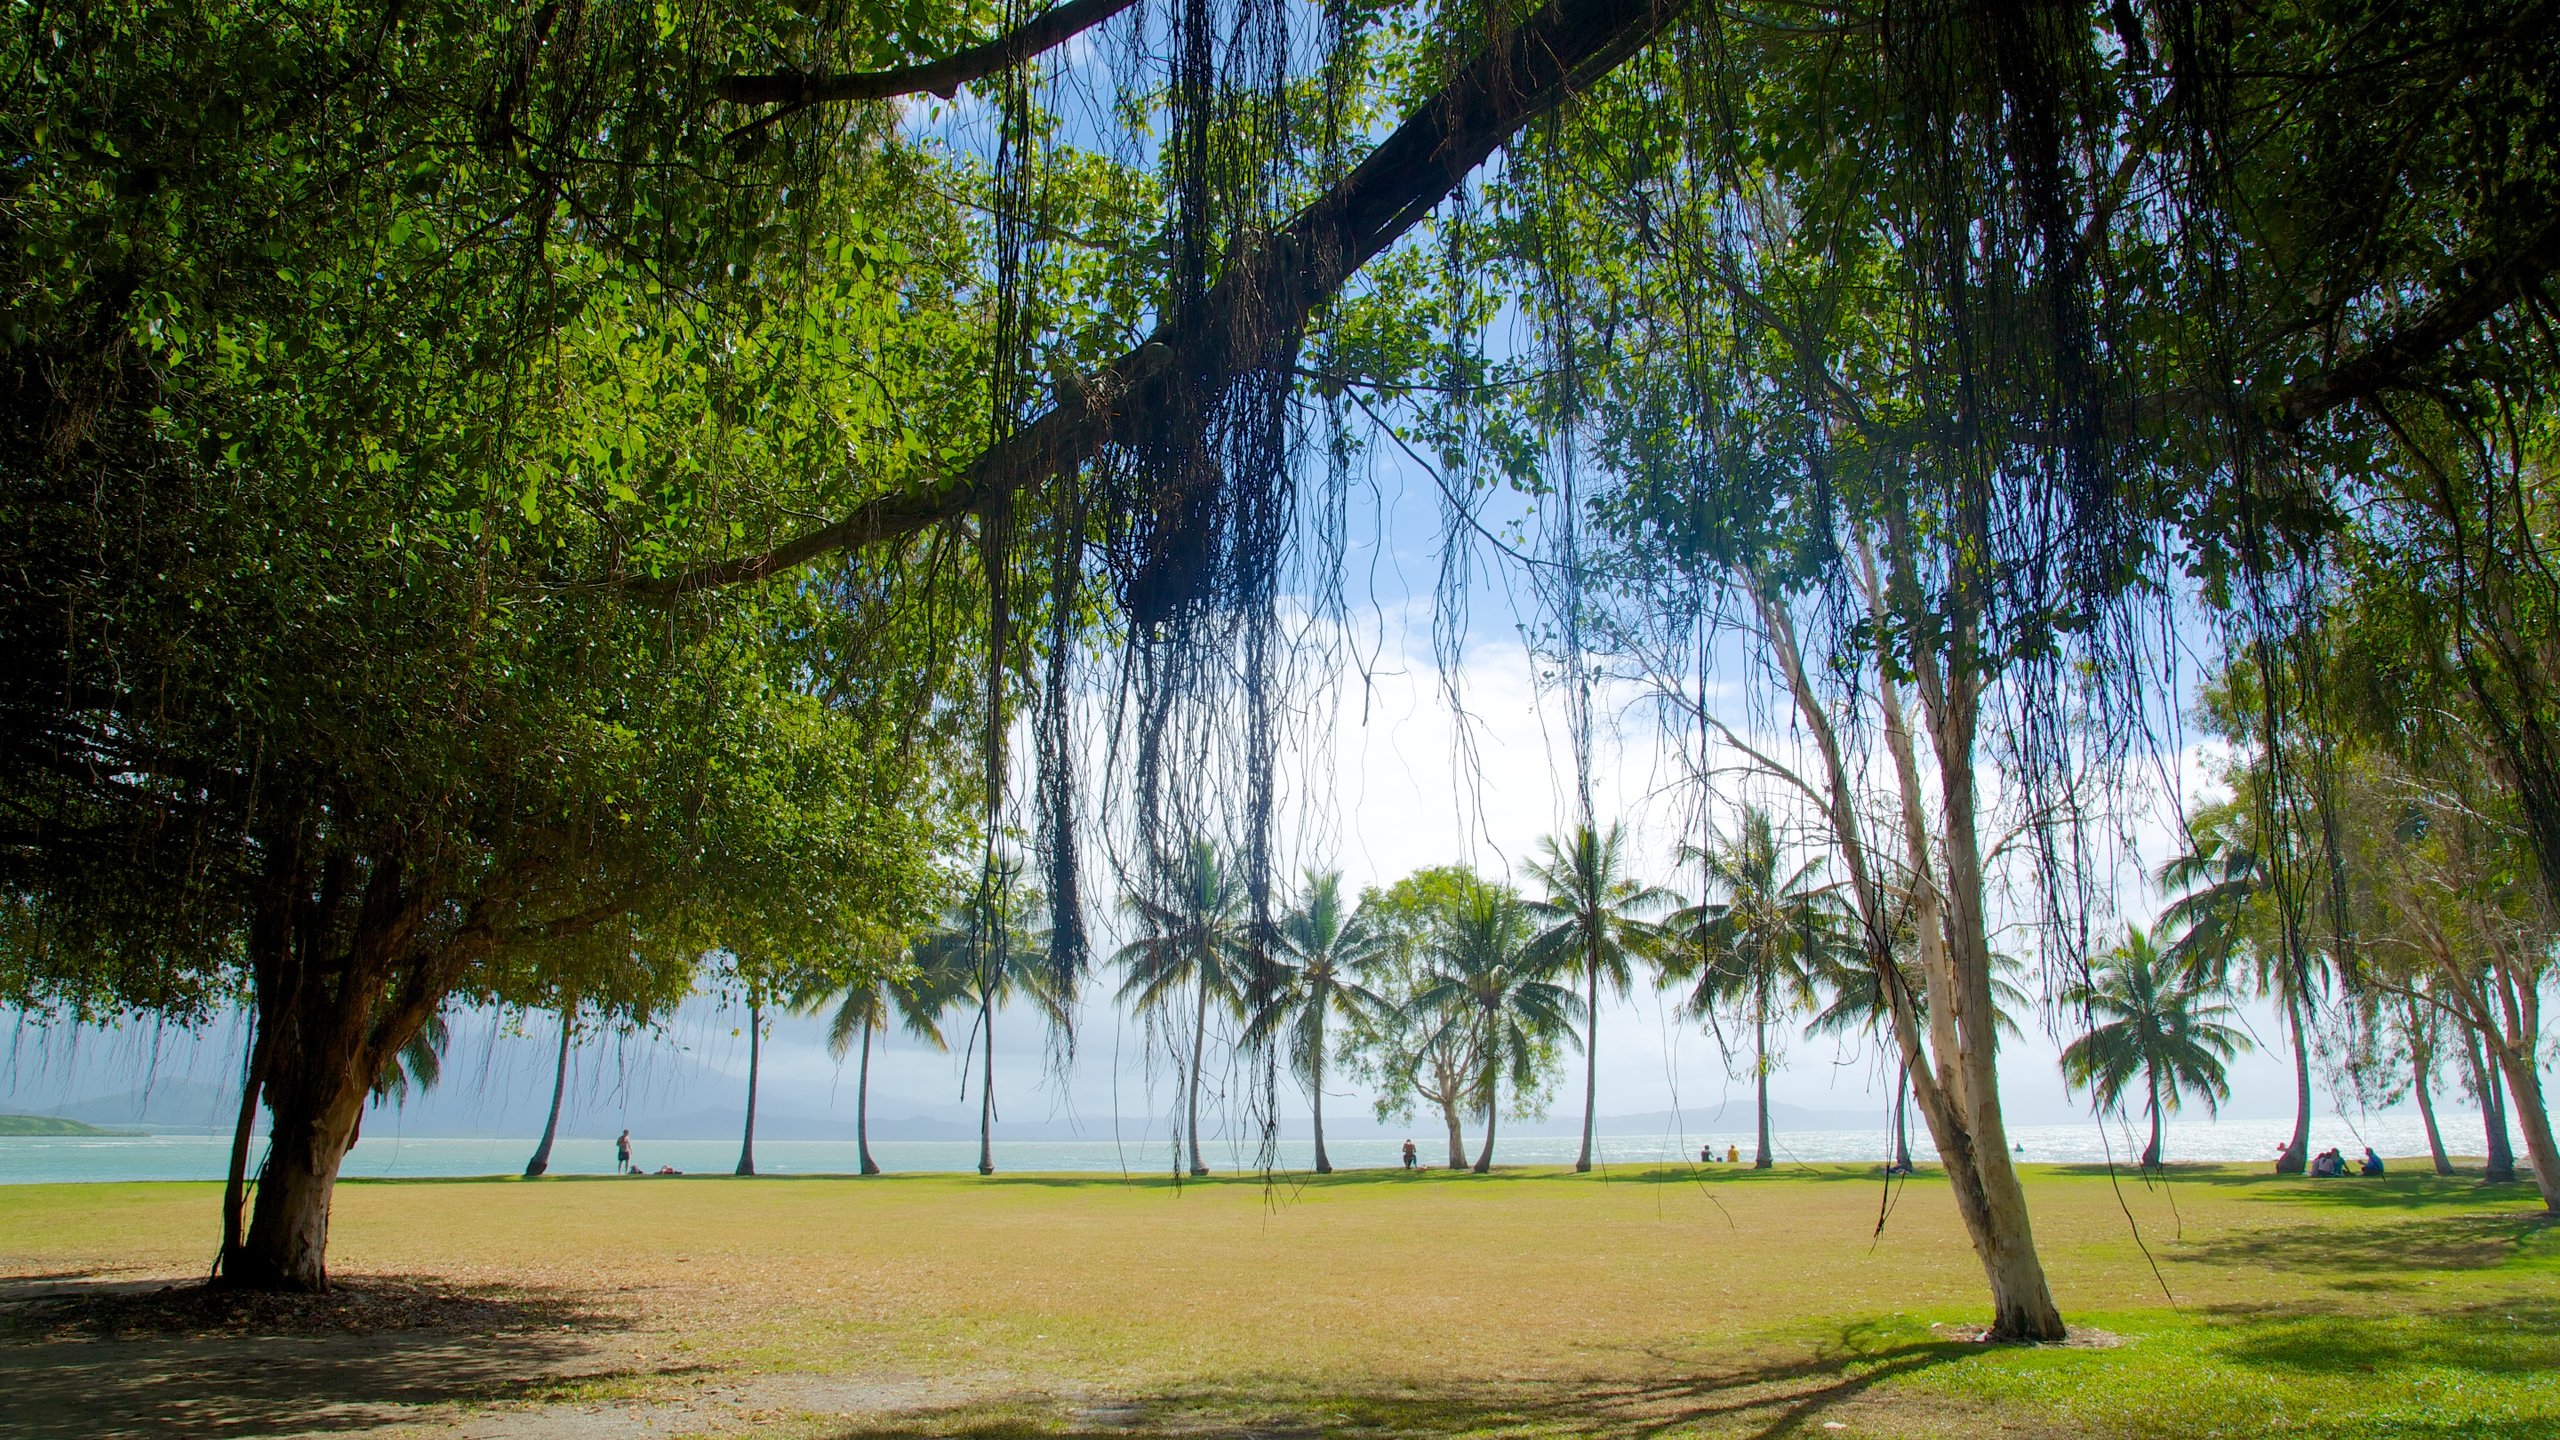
987, 1082
1590, 1061
1902, 1117
1315, 1091
862, 1106
1492, 1114
1191, 1092
2151, 1152
2421, 1066
1760, 1159
755, 1061
541, 1160
2296, 1156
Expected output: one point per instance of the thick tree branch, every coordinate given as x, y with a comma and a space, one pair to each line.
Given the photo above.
1269, 290
2434, 329
943, 77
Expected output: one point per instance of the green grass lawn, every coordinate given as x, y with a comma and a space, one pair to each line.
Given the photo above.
1533, 1303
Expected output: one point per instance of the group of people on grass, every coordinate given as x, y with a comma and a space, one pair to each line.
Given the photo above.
2329, 1162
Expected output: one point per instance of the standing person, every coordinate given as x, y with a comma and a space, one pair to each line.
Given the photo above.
1408, 1155
622, 1154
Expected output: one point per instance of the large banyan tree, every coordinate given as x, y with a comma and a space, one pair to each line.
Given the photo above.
1940, 344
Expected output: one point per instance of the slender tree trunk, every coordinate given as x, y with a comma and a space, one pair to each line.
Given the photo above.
1492, 1115
1966, 1128
862, 1106
2296, 1155
1902, 1117
755, 1060
1761, 1158
2533, 1120
2422, 1067
2151, 1152
2022, 1299
1199, 1049
987, 1083
1590, 1061
235, 1185
1457, 1130
1315, 1091
541, 1161
2499, 1157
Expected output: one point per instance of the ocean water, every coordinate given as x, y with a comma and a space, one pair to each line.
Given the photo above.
59, 1159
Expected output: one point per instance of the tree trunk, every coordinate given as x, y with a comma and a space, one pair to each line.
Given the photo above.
1761, 1159
2500, 1157
2151, 1152
1457, 1130
1492, 1114
862, 1106
987, 1084
541, 1161
2533, 1118
1902, 1118
1590, 1059
333, 1005
1315, 1090
1984, 1186
235, 1185
287, 1247
2422, 1066
1191, 1092
755, 1059
2296, 1155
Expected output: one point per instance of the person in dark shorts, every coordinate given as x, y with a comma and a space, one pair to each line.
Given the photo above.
622, 1154
1409, 1156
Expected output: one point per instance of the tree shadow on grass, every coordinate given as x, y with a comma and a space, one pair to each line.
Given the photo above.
2362, 1254
1762, 1400
89, 1361
2508, 1337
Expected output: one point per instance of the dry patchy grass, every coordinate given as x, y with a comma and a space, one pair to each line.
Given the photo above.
1668, 1300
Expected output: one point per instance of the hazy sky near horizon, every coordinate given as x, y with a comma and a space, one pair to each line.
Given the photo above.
1399, 798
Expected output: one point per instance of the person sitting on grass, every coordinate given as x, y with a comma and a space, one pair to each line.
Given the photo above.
2372, 1162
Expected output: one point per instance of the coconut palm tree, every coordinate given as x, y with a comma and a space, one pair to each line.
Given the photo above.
1192, 937
417, 1065
1598, 922
1480, 975
541, 1161
1760, 947
2151, 1020
2220, 880
988, 956
917, 995
1322, 959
